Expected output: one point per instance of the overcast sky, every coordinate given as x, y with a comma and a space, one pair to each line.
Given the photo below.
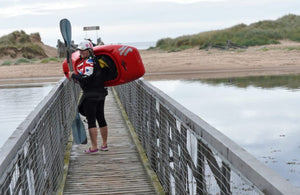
123, 21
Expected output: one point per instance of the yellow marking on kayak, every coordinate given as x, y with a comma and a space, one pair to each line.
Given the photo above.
103, 64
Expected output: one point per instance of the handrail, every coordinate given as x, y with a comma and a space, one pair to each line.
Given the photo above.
32, 159
189, 155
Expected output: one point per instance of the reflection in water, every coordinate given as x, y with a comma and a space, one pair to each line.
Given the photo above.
264, 120
16, 104
289, 82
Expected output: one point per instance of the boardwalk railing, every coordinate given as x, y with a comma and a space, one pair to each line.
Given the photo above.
190, 156
32, 160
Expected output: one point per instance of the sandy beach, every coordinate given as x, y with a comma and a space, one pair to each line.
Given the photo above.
192, 63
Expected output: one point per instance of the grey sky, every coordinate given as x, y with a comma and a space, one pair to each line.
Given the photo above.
136, 20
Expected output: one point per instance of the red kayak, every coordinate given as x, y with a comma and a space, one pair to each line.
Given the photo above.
125, 63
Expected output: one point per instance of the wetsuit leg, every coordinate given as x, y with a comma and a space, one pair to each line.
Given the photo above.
89, 107
100, 114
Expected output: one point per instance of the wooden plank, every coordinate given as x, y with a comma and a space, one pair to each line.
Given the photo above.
118, 171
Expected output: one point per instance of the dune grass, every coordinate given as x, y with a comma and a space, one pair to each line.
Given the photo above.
259, 33
31, 61
18, 42
52, 59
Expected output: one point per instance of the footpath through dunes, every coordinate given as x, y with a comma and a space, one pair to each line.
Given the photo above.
192, 63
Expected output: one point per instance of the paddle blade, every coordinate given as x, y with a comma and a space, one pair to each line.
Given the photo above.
78, 130
66, 31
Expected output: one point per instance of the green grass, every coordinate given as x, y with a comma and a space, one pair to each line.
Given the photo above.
24, 61
18, 61
30, 61
52, 59
30, 51
264, 49
15, 38
259, 33
18, 42
7, 63
292, 48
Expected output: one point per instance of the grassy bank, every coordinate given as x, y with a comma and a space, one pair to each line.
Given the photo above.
19, 43
259, 33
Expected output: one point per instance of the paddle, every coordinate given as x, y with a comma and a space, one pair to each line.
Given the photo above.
78, 129
66, 32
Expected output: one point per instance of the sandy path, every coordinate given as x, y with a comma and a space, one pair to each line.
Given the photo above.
191, 63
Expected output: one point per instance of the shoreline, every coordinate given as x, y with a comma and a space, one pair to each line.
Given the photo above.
224, 73
281, 59
36, 81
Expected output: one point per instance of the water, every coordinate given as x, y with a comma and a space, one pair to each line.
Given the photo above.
16, 102
262, 117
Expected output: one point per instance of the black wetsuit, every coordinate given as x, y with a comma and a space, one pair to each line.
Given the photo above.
92, 101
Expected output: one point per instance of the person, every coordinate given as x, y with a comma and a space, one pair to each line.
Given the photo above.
91, 104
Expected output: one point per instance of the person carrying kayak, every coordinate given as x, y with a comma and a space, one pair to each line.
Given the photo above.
91, 80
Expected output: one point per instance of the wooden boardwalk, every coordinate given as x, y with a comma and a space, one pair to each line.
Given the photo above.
118, 171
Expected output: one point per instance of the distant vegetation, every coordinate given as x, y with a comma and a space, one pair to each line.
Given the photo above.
287, 81
31, 61
18, 43
22, 48
259, 33
52, 59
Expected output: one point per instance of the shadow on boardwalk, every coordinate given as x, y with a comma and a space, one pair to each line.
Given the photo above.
118, 171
